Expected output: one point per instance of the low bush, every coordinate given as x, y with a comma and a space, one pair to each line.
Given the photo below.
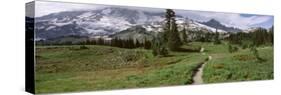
232, 49
218, 66
83, 47
244, 57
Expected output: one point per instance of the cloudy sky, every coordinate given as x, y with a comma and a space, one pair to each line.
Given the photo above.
242, 21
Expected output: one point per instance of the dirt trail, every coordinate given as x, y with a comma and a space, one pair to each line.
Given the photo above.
197, 78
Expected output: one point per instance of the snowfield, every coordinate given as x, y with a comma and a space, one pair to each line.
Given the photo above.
109, 21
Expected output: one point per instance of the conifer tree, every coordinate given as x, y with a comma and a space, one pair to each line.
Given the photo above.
158, 46
271, 37
171, 34
184, 35
217, 40
100, 41
147, 44
137, 44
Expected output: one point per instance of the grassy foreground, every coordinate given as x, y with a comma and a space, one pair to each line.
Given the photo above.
75, 68
239, 66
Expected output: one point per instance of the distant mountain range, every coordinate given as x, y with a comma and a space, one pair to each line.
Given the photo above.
114, 22
216, 24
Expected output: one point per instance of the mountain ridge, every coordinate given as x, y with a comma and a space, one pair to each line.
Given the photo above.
109, 21
216, 24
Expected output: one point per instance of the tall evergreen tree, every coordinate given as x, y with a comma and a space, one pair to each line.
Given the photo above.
184, 35
137, 44
259, 36
158, 46
100, 41
271, 36
217, 39
208, 37
171, 34
147, 44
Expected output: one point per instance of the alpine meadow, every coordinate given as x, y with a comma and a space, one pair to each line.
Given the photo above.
89, 47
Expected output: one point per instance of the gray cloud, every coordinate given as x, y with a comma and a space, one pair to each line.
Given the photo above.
229, 19
47, 7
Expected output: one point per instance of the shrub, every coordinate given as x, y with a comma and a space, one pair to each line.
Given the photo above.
232, 49
159, 48
244, 46
218, 66
256, 54
244, 57
83, 47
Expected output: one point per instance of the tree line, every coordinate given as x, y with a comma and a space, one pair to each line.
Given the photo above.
121, 43
257, 37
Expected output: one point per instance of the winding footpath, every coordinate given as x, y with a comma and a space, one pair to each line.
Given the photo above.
197, 78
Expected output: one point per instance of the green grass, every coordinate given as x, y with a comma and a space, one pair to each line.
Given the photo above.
72, 68
76, 68
238, 66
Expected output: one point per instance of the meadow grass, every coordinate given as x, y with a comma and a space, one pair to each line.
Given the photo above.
72, 68
239, 66
93, 67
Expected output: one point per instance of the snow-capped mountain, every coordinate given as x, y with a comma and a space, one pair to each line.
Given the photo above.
108, 21
216, 24
252, 29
